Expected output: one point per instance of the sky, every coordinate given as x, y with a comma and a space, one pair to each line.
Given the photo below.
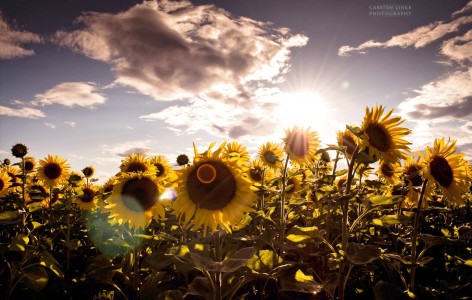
93, 81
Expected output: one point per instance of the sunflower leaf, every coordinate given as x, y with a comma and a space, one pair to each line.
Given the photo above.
36, 278
19, 243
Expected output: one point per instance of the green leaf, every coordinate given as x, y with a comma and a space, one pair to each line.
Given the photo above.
362, 254
263, 261
385, 200
201, 286
157, 261
204, 262
19, 243
302, 283
10, 217
237, 260
468, 262
391, 220
36, 278
50, 262
302, 277
302, 235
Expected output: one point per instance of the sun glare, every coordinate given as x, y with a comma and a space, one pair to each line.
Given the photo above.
307, 109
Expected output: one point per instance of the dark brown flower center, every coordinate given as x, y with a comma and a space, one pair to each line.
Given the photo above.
88, 171
29, 166
348, 142
182, 159
387, 170
379, 137
88, 195
211, 185
160, 170
136, 167
52, 170
298, 143
441, 171
413, 175
37, 192
256, 174
140, 194
270, 157
2, 184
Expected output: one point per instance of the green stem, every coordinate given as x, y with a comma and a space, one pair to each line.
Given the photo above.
282, 209
218, 258
414, 237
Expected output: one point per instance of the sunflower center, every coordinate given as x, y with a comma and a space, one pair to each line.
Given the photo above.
212, 194
270, 157
256, 174
2, 184
52, 170
136, 167
387, 170
29, 166
413, 175
379, 137
88, 196
349, 143
298, 144
160, 170
142, 194
441, 171
206, 173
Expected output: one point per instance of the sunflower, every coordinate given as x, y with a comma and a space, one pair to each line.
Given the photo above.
30, 164
271, 154
88, 171
347, 139
19, 150
293, 185
86, 197
389, 172
213, 192
4, 183
135, 200
412, 175
383, 136
35, 192
53, 170
14, 174
301, 145
137, 163
235, 151
163, 167
448, 169
257, 171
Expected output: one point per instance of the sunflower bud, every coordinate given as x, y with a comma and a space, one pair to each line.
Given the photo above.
182, 160
19, 150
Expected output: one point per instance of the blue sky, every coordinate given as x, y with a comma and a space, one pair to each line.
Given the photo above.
93, 81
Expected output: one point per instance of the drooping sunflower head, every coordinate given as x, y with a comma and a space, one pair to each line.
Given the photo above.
448, 169
389, 172
87, 197
137, 163
301, 145
88, 171
135, 200
53, 170
213, 192
35, 192
412, 172
235, 151
4, 183
347, 139
271, 154
30, 164
163, 167
382, 135
257, 171
19, 150
293, 185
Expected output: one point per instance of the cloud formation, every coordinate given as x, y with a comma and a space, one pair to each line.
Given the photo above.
24, 112
69, 94
12, 41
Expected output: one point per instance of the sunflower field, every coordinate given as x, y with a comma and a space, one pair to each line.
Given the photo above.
361, 219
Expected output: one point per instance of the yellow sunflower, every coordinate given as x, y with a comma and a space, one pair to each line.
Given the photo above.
87, 197
293, 185
53, 170
412, 175
301, 145
347, 139
448, 169
383, 136
271, 154
135, 200
15, 180
35, 192
163, 167
213, 192
257, 171
389, 172
88, 171
4, 183
235, 151
137, 163
30, 164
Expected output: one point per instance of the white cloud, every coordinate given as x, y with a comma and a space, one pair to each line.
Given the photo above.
50, 125
83, 94
458, 48
126, 148
12, 41
24, 112
71, 123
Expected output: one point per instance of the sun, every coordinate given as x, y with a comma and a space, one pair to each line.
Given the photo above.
304, 108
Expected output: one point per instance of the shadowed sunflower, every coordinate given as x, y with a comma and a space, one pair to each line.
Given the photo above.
35, 192
212, 192
53, 170
87, 197
293, 185
448, 169
137, 163
13, 172
389, 172
412, 174
257, 171
235, 151
164, 169
383, 136
30, 164
4, 183
301, 145
347, 139
88, 171
135, 200
271, 154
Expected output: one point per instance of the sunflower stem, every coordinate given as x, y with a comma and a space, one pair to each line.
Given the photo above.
218, 258
282, 209
136, 254
23, 199
414, 237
